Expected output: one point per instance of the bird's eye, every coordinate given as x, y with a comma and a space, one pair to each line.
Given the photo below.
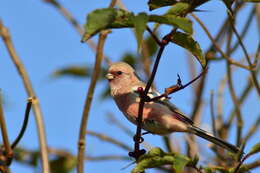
119, 72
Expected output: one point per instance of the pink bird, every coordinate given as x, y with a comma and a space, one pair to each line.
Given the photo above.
159, 117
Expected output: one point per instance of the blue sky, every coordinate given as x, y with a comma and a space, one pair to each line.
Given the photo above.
45, 41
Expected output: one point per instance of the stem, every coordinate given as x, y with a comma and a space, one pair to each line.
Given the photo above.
90, 92
254, 78
25, 122
30, 92
8, 155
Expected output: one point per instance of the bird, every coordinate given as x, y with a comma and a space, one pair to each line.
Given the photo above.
160, 116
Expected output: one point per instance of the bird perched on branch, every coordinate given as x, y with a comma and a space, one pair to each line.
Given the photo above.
159, 116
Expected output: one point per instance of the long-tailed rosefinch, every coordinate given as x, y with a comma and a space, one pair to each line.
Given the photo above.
160, 116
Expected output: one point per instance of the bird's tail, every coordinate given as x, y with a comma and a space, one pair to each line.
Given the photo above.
201, 133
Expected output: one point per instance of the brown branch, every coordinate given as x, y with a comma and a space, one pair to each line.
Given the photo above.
30, 92
252, 130
212, 113
232, 92
88, 101
114, 121
176, 88
107, 158
103, 137
245, 29
25, 122
68, 16
230, 60
254, 77
7, 156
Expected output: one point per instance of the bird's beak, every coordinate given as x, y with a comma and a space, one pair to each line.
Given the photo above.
110, 76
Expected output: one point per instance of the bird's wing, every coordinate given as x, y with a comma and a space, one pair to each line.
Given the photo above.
177, 113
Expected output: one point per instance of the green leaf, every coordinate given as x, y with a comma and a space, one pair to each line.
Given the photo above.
106, 18
187, 42
154, 4
109, 18
180, 162
75, 71
179, 22
178, 9
156, 157
255, 149
140, 22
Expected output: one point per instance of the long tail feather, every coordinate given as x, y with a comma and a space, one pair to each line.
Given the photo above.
205, 135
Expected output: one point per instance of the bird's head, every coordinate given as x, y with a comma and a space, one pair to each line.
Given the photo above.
121, 75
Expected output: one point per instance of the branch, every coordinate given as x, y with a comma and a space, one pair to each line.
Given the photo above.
30, 92
212, 113
68, 16
88, 101
8, 152
254, 78
230, 60
109, 139
25, 122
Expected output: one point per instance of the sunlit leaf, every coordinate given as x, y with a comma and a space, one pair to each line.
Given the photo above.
108, 18
179, 8
156, 157
154, 4
187, 42
180, 161
179, 22
140, 25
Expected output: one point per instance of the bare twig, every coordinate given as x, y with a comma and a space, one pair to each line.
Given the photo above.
232, 92
177, 87
252, 130
121, 126
109, 139
8, 152
90, 92
107, 158
68, 16
230, 60
254, 77
212, 113
30, 92
25, 122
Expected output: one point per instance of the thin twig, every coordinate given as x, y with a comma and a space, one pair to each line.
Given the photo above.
254, 77
109, 139
114, 121
68, 16
88, 101
30, 92
25, 122
230, 60
252, 130
8, 152
232, 92
107, 158
245, 29
212, 113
